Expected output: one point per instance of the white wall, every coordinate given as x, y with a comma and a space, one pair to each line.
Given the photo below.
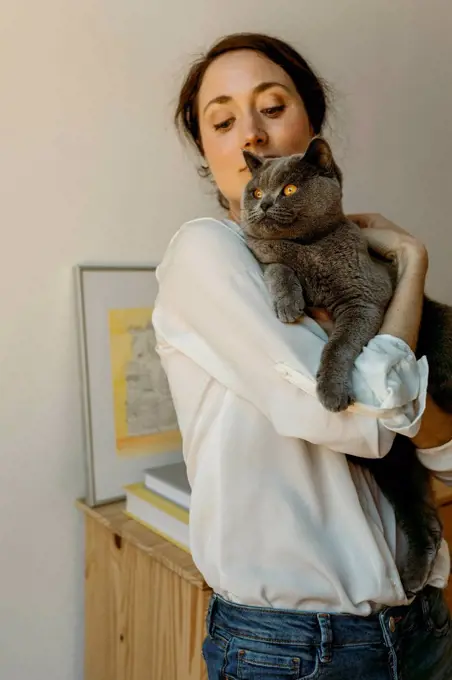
91, 170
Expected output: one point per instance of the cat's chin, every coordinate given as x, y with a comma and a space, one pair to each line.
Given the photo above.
267, 228
269, 234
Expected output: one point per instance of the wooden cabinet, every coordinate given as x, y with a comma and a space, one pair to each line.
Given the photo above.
145, 601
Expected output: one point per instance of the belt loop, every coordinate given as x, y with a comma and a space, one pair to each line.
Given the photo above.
326, 640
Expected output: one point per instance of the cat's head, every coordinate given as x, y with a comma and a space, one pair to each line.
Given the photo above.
292, 196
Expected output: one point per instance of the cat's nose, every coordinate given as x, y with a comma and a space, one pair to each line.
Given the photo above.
266, 204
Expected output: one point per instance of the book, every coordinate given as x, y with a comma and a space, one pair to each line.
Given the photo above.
170, 481
165, 458
159, 514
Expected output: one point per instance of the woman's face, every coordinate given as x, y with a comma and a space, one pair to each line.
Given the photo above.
248, 102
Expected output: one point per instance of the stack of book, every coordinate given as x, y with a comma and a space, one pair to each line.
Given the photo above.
162, 502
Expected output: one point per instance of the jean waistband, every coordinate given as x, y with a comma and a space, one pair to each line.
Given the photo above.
280, 626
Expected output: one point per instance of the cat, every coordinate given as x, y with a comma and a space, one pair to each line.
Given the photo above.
314, 256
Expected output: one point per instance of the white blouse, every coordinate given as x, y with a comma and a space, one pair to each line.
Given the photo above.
279, 517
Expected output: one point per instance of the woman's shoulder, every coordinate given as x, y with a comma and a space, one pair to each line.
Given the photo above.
209, 230
209, 242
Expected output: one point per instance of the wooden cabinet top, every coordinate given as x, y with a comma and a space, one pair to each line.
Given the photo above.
112, 516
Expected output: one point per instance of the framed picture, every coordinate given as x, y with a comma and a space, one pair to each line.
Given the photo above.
129, 418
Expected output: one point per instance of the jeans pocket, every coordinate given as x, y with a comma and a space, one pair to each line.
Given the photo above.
257, 665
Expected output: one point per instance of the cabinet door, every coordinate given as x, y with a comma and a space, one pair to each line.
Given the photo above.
142, 620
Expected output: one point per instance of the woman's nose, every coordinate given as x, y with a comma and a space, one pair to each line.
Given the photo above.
255, 137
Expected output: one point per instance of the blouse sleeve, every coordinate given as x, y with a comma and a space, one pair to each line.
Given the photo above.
439, 461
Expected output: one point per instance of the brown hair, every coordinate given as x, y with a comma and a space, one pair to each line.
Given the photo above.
310, 87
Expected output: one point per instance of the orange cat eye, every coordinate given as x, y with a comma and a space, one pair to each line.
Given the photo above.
289, 190
258, 193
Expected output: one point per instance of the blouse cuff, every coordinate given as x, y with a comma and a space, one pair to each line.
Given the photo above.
438, 458
394, 381
388, 383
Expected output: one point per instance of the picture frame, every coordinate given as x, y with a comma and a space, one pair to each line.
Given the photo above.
129, 418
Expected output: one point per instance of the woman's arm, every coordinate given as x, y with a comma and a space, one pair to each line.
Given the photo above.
404, 313
213, 306
436, 427
403, 320
403, 316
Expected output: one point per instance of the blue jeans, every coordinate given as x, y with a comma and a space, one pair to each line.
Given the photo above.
398, 643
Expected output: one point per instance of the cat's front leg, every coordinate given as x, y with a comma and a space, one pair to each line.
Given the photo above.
265, 250
286, 292
354, 326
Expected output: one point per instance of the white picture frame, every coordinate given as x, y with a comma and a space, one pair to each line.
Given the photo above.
129, 419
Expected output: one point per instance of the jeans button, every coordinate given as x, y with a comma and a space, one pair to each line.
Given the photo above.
392, 624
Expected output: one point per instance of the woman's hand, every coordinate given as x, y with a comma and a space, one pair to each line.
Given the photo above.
403, 315
322, 317
391, 241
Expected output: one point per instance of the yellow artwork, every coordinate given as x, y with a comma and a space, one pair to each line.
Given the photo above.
144, 416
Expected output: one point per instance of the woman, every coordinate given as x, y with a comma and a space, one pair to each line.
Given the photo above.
299, 545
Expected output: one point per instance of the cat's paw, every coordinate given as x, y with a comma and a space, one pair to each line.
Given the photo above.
289, 308
335, 396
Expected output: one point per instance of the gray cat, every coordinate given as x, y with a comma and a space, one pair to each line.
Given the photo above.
315, 257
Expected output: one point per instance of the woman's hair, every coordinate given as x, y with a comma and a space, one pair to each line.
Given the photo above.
312, 90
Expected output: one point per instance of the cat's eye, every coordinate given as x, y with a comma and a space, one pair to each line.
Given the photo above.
289, 190
258, 193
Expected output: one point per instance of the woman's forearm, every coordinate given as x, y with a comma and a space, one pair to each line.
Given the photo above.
403, 316
402, 320
436, 427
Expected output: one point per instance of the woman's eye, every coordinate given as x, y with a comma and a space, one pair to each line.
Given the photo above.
274, 111
258, 193
224, 125
289, 190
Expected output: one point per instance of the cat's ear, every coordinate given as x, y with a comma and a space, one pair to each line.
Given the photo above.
253, 162
320, 155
